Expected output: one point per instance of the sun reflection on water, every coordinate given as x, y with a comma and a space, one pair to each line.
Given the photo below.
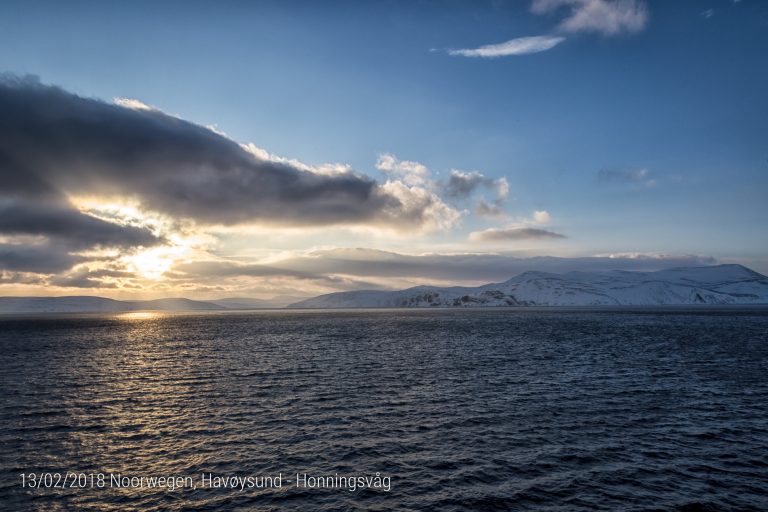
141, 315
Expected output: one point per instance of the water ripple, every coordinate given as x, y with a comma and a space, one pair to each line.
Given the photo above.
465, 410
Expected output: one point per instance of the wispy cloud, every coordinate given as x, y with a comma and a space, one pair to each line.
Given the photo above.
490, 210
462, 184
638, 176
607, 17
708, 13
519, 46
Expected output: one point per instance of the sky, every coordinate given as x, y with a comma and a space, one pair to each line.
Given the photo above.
260, 149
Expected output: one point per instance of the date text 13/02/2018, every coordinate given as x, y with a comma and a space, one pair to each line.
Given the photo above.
62, 480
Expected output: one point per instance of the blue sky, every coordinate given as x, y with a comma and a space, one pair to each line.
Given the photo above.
648, 137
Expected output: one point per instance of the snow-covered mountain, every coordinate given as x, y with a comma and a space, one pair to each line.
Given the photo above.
717, 284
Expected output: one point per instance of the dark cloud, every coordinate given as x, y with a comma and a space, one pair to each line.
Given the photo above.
81, 280
20, 181
494, 234
47, 235
461, 185
44, 258
490, 210
56, 142
84, 277
20, 278
71, 227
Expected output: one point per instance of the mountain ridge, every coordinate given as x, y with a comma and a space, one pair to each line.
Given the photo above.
714, 284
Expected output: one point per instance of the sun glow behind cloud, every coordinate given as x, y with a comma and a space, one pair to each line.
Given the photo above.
181, 243
199, 214
202, 217
153, 263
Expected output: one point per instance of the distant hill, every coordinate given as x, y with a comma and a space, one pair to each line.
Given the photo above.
175, 304
248, 303
60, 304
90, 304
717, 284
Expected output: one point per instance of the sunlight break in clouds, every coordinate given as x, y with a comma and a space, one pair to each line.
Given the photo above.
133, 104
519, 46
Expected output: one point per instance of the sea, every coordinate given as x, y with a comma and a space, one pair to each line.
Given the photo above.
661, 409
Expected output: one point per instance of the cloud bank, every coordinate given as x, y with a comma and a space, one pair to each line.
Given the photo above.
69, 165
69, 145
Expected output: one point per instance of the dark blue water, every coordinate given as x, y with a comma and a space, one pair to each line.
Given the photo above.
461, 410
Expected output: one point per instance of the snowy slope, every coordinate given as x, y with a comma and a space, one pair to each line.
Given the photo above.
719, 284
